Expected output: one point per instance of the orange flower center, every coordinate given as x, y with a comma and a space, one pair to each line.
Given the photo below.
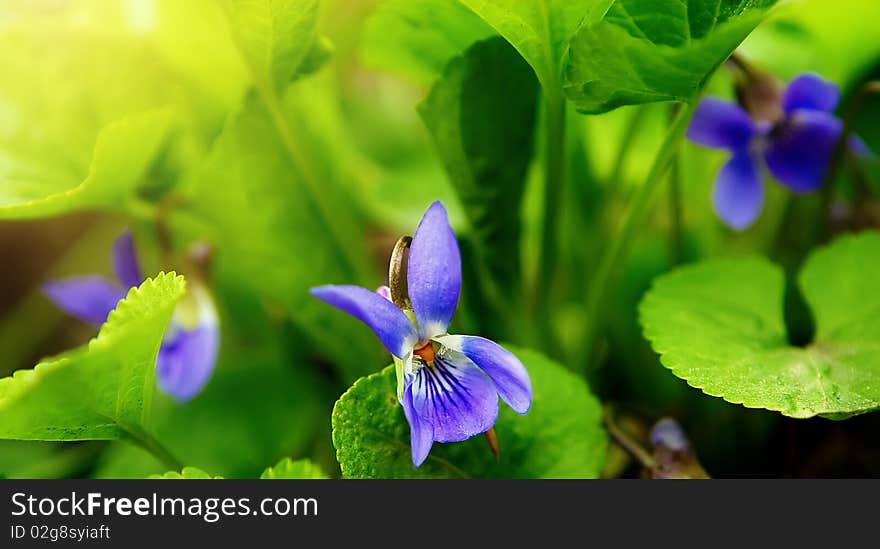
425, 351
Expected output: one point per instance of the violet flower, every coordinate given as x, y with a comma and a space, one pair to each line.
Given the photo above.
189, 347
796, 148
667, 433
448, 385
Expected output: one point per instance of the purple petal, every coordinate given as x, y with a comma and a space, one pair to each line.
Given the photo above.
506, 371
739, 195
434, 272
799, 152
455, 398
720, 124
88, 298
125, 261
810, 91
186, 360
388, 322
669, 434
421, 434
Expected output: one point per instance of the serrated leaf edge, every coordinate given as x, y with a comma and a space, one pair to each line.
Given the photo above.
334, 413
20, 380
649, 332
286, 463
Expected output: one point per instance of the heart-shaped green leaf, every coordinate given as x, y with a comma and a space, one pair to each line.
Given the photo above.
102, 390
481, 115
719, 326
655, 50
560, 437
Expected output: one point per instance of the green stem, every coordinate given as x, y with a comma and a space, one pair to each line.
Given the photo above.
554, 184
146, 441
842, 152
618, 248
629, 135
781, 244
629, 445
676, 228
852, 109
860, 178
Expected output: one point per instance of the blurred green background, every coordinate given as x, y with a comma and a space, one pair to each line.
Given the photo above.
223, 176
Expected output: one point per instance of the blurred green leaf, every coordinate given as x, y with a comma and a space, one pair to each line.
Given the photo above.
271, 238
481, 114
643, 51
719, 326
561, 436
419, 37
193, 38
123, 152
83, 114
275, 37
289, 469
539, 29
187, 473
317, 56
266, 408
29, 459
835, 39
102, 390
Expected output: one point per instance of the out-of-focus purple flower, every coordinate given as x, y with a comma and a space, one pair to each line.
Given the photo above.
448, 385
673, 455
797, 148
669, 434
189, 347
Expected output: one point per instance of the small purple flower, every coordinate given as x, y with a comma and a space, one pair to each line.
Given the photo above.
189, 347
667, 433
448, 385
796, 149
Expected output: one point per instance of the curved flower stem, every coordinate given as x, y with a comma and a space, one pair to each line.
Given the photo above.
842, 152
619, 246
149, 443
554, 183
868, 89
840, 148
629, 445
